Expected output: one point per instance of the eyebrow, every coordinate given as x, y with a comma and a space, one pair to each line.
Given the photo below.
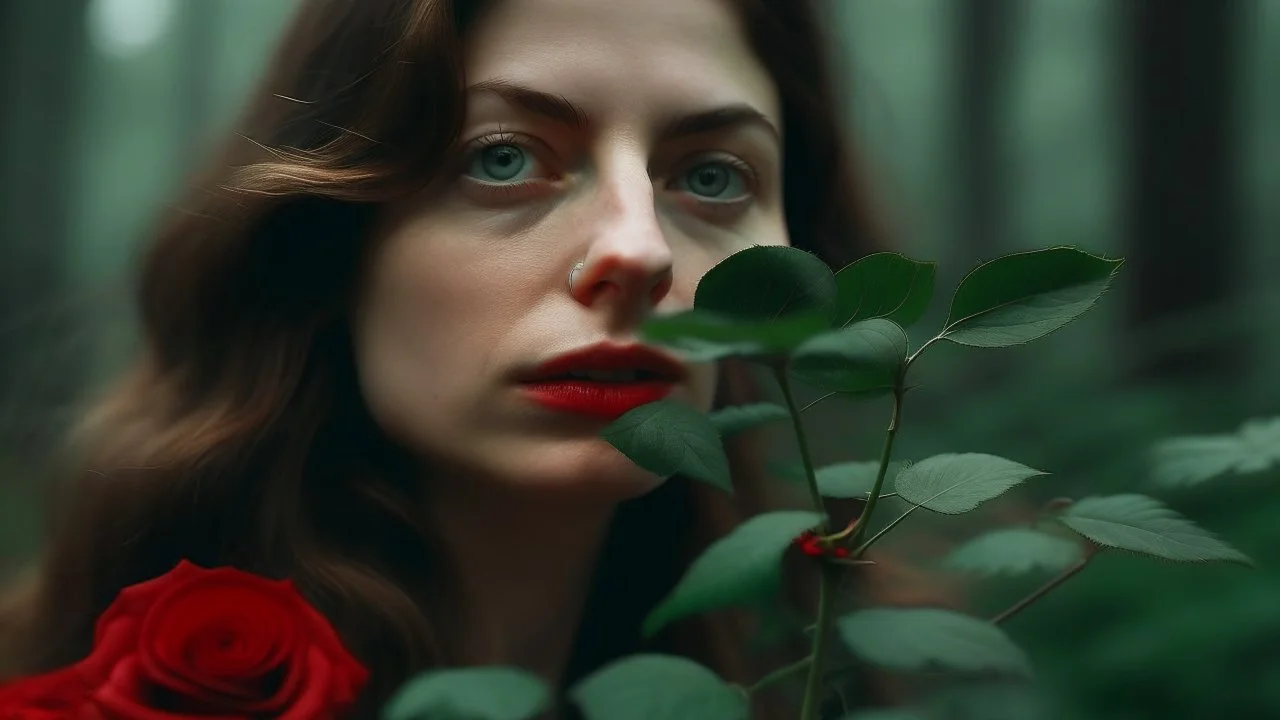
563, 111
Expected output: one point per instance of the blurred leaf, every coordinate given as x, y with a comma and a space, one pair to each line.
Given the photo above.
886, 285
958, 482
703, 336
768, 283
735, 419
1024, 296
989, 701
920, 639
1014, 550
1192, 460
479, 693
861, 357
854, 479
667, 437
740, 568
658, 687
885, 714
1141, 524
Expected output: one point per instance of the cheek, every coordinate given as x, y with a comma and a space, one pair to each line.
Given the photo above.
396, 316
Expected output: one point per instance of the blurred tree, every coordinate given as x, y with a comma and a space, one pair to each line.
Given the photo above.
1184, 234
42, 59
983, 45
198, 20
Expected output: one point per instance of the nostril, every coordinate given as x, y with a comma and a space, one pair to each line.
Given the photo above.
660, 289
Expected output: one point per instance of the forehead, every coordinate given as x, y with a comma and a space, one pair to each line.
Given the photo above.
614, 56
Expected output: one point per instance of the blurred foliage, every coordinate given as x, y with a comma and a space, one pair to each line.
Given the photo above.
1129, 638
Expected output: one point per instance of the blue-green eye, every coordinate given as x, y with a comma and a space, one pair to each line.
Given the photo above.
716, 181
499, 163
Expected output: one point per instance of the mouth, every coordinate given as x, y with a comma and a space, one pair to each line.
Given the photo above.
603, 381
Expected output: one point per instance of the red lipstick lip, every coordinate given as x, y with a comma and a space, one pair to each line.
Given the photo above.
607, 356
551, 386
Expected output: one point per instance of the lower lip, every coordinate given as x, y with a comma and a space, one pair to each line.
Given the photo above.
604, 400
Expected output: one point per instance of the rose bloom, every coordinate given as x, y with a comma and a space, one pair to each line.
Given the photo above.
198, 642
60, 695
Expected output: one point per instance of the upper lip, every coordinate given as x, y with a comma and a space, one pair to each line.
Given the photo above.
610, 356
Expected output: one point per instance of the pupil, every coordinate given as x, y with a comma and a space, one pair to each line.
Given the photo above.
503, 162
710, 180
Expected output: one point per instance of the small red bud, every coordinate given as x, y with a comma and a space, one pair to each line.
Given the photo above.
811, 547
840, 552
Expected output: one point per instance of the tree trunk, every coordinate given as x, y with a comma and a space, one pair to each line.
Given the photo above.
42, 56
1184, 232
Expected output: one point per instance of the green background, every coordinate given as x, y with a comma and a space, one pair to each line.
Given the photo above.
987, 127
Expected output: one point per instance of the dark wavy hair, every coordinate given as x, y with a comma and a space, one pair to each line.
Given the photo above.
239, 437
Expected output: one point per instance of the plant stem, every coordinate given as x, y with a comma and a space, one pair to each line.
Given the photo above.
813, 684
826, 579
815, 402
779, 674
886, 452
810, 477
916, 355
1043, 590
862, 549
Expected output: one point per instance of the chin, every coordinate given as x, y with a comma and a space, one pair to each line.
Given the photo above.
590, 467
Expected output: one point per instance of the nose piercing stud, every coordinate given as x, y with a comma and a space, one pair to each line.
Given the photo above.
573, 274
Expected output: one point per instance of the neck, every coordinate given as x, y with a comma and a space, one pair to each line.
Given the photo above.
521, 561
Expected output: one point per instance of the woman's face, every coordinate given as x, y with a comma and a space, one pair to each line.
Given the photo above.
638, 138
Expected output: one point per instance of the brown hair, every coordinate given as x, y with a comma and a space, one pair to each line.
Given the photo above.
239, 436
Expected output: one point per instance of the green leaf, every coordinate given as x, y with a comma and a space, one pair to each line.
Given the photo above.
703, 336
1024, 296
658, 687
768, 283
1141, 524
956, 483
917, 639
854, 479
479, 693
885, 714
1185, 461
886, 285
735, 419
1012, 551
668, 438
864, 356
739, 568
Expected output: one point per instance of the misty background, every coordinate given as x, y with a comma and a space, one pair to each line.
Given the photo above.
1147, 129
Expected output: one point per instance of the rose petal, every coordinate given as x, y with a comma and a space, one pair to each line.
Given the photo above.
135, 600
117, 638
52, 696
166, 638
348, 670
124, 695
315, 702
199, 604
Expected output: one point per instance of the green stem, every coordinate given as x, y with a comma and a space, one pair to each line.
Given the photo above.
1044, 589
826, 581
862, 549
916, 355
886, 452
810, 477
813, 684
781, 673
815, 402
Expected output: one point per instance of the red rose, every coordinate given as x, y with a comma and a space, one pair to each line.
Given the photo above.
218, 643
61, 695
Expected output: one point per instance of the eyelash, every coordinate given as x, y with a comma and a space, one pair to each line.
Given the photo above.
513, 191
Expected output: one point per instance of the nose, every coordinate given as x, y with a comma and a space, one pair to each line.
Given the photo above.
628, 262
